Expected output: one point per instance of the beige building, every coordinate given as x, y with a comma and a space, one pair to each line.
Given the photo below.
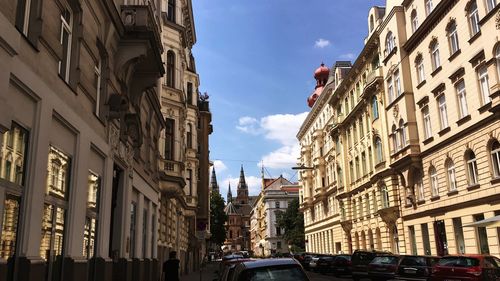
435, 79
79, 118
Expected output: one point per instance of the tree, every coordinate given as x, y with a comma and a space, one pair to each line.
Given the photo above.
292, 221
217, 219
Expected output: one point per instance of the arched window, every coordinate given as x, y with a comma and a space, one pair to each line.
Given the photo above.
374, 108
497, 55
451, 31
389, 43
394, 137
378, 149
419, 186
434, 50
170, 69
473, 17
402, 133
414, 20
495, 158
384, 196
472, 172
419, 65
434, 181
450, 171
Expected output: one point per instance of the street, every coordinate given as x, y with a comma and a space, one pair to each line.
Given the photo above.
314, 276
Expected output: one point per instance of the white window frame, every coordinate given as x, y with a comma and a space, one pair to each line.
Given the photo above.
495, 161
490, 5
402, 133
484, 85
66, 27
427, 122
434, 182
452, 179
473, 15
419, 186
420, 70
26, 14
390, 89
436, 62
497, 55
389, 43
462, 99
98, 74
414, 21
453, 38
428, 7
443, 112
397, 83
472, 169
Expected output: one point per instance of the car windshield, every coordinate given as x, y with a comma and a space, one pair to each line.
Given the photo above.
362, 258
385, 260
458, 261
273, 273
413, 261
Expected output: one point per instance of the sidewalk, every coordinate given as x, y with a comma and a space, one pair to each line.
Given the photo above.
208, 273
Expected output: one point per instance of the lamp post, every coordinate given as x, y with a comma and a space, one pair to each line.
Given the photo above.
302, 167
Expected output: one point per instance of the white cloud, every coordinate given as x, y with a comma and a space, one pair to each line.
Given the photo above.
254, 185
219, 166
248, 125
322, 43
349, 56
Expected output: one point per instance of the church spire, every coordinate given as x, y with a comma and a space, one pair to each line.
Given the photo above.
229, 194
242, 191
214, 186
242, 183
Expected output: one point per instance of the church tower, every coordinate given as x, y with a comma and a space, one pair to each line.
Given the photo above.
214, 186
229, 194
242, 192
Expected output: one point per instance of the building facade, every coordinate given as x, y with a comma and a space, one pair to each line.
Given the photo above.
414, 127
266, 237
80, 118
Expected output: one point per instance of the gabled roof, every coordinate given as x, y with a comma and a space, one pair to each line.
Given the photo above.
276, 184
230, 209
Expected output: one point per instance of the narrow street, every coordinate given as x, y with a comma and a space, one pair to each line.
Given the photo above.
314, 276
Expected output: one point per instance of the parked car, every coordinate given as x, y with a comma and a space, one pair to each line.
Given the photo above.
415, 268
341, 265
360, 260
323, 264
227, 260
228, 269
285, 269
313, 264
305, 261
467, 267
383, 268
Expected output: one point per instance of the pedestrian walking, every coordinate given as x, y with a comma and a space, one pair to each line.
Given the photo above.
171, 267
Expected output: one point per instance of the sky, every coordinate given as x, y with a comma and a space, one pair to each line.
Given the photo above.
256, 61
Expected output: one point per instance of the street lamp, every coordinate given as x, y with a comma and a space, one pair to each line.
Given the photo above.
302, 167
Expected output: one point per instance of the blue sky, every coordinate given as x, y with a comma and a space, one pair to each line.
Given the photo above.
256, 61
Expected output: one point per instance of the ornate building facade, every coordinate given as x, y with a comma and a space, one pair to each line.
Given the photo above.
266, 237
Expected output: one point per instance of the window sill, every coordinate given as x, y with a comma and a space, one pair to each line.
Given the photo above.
485, 107
495, 180
463, 119
453, 192
421, 84
436, 71
428, 140
434, 198
473, 186
474, 37
420, 202
444, 131
454, 55
408, 205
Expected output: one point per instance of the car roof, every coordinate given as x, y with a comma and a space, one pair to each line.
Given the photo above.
268, 263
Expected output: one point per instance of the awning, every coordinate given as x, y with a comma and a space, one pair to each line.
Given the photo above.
489, 222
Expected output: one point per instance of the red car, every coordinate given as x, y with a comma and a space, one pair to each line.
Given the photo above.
467, 268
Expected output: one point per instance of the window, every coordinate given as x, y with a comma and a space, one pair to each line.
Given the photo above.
65, 40
453, 37
351, 171
360, 207
419, 187
144, 230
425, 239
340, 176
189, 93
277, 204
427, 122
397, 83
402, 133
390, 89
361, 127
384, 196
97, 86
354, 209
28, 18
278, 231
434, 48
92, 216
355, 132
189, 182
189, 136
495, 158
374, 108
472, 172
413, 240
459, 235
419, 64
171, 10
394, 137
497, 55
482, 236
434, 181
374, 198
367, 204
428, 6
170, 81
473, 16
484, 84
358, 175
133, 223
414, 20
54, 213
363, 162
462, 99
443, 114
452, 179
378, 148
490, 4
389, 43
169, 139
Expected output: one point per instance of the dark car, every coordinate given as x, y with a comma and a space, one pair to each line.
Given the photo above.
467, 268
341, 265
324, 263
415, 268
286, 269
383, 268
228, 268
305, 261
360, 260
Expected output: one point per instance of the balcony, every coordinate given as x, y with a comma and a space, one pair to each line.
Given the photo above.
372, 79
389, 214
171, 175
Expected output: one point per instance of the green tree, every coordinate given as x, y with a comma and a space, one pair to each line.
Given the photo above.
292, 221
217, 218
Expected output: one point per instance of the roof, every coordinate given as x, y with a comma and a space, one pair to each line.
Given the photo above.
276, 184
230, 209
